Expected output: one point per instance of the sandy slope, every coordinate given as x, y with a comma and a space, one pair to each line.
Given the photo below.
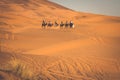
88, 52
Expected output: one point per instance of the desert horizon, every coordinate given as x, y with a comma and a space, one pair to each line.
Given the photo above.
43, 40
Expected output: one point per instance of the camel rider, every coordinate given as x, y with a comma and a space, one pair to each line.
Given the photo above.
71, 24
61, 24
66, 24
56, 24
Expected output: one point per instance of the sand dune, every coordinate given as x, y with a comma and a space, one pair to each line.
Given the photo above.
90, 51
83, 53
65, 68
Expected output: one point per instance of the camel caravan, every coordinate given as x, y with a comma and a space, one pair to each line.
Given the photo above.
56, 24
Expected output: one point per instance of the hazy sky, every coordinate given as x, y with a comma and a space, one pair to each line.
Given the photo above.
106, 7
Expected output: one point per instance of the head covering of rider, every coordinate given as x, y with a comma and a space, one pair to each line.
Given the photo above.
71, 22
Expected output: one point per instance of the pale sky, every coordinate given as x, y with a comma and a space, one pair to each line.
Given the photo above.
105, 7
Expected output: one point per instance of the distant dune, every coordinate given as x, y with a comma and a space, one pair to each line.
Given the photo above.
90, 51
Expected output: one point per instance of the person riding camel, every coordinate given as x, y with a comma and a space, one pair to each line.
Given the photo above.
66, 24
50, 24
44, 24
61, 24
71, 24
56, 24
